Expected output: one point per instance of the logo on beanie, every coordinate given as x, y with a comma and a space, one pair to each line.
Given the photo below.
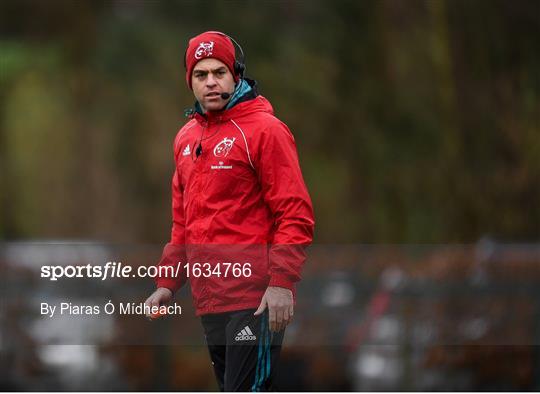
222, 149
204, 49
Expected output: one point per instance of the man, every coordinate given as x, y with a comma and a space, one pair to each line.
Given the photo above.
239, 200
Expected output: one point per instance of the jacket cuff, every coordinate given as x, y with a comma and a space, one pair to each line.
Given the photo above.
279, 280
170, 283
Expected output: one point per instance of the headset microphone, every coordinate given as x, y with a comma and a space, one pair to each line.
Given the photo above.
225, 96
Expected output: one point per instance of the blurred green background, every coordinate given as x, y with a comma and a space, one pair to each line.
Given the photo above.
416, 121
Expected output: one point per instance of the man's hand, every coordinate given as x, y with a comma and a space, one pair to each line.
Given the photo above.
280, 307
161, 296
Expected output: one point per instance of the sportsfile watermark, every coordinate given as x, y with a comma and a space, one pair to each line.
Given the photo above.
119, 270
110, 270
354, 295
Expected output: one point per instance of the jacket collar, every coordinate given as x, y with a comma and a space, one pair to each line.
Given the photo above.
220, 116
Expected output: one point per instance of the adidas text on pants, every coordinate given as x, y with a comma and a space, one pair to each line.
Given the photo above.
243, 351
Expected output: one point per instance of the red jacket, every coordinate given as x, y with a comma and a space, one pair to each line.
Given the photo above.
243, 199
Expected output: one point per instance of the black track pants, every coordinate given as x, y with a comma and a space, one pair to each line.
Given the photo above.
243, 351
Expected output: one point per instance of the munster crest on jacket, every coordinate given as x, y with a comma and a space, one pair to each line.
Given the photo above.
222, 149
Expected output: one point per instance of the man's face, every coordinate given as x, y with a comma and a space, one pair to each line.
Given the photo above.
209, 79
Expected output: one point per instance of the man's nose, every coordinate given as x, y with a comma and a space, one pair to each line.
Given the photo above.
210, 80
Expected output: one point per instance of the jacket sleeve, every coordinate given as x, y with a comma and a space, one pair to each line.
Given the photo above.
286, 195
174, 254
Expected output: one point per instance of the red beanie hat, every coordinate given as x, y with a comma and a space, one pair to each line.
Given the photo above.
209, 44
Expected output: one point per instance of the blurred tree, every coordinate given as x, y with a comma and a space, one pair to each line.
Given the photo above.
416, 121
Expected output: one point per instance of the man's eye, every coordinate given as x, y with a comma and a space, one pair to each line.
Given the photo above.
222, 72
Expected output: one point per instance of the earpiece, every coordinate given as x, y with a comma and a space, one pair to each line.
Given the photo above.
239, 68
